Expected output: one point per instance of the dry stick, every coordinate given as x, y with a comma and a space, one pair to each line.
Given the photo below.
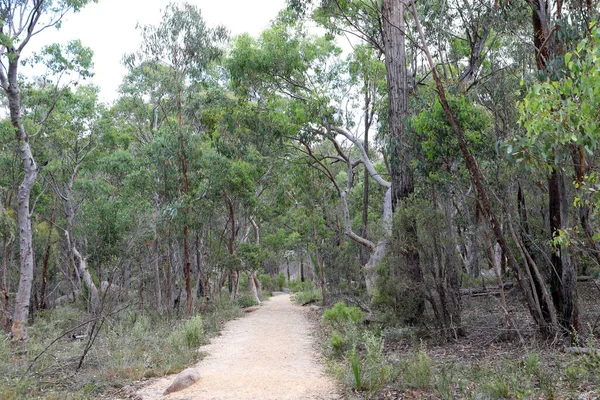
69, 331
476, 177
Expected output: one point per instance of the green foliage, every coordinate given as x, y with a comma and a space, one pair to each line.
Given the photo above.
311, 295
280, 282
561, 113
337, 342
355, 365
340, 314
266, 282
417, 370
246, 301
299, 286
439, 144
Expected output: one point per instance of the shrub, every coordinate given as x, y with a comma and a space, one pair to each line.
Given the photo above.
299, 286
313, 295
337, 342
190, 335
222, 310
340, 314
280, 284
246, 301
266, 282
418, 371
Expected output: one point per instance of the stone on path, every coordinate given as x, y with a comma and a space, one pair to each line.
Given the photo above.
183, 380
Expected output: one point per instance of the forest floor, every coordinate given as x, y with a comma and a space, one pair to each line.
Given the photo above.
269, 354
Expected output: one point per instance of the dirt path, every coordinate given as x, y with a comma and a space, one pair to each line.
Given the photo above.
269, 354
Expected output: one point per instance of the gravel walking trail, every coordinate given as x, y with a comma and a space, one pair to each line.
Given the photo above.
267, 355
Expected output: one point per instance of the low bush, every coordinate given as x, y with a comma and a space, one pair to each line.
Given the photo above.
313, 295
280, 281
340, 315
246, 301
299, 286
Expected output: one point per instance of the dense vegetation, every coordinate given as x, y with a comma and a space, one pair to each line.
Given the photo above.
432, 163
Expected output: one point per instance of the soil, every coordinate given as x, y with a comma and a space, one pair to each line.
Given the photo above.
268, 354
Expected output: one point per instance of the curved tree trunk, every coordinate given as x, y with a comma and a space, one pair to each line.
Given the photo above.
94, 298
380, 250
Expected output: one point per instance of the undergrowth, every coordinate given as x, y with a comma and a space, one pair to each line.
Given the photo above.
129, 347
357, 359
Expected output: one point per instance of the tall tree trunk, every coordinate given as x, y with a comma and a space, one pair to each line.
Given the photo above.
21, 311
186, 210
4, 288
397, 83
563, 278
401, 171
42, 304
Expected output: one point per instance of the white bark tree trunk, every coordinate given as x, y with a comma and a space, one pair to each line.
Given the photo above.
94, 298
377, 256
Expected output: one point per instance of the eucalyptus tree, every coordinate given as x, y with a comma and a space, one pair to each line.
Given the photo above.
72, 132
295, 81
187, 46
21, 22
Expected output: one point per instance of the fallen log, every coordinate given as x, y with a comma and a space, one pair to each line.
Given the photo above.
582, 350
482, 291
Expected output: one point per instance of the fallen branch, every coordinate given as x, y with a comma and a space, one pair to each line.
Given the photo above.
481, 291
582, 350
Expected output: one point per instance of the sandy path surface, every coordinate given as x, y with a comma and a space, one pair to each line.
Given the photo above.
268, 354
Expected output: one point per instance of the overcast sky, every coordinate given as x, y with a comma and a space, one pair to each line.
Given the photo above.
108, 28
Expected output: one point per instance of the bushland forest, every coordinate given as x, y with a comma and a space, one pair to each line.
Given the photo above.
422, 177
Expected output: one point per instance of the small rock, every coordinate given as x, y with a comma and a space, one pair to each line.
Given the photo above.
184, 379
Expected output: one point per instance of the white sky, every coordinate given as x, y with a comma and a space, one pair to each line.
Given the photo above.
108, 28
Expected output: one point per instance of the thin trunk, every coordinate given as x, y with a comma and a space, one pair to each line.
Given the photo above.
141, 290
233, 275
199, 287
525, 235
42, 304
186, 190
157, 287
581, 169
319, 263
169, 277
4, 289
563, 278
